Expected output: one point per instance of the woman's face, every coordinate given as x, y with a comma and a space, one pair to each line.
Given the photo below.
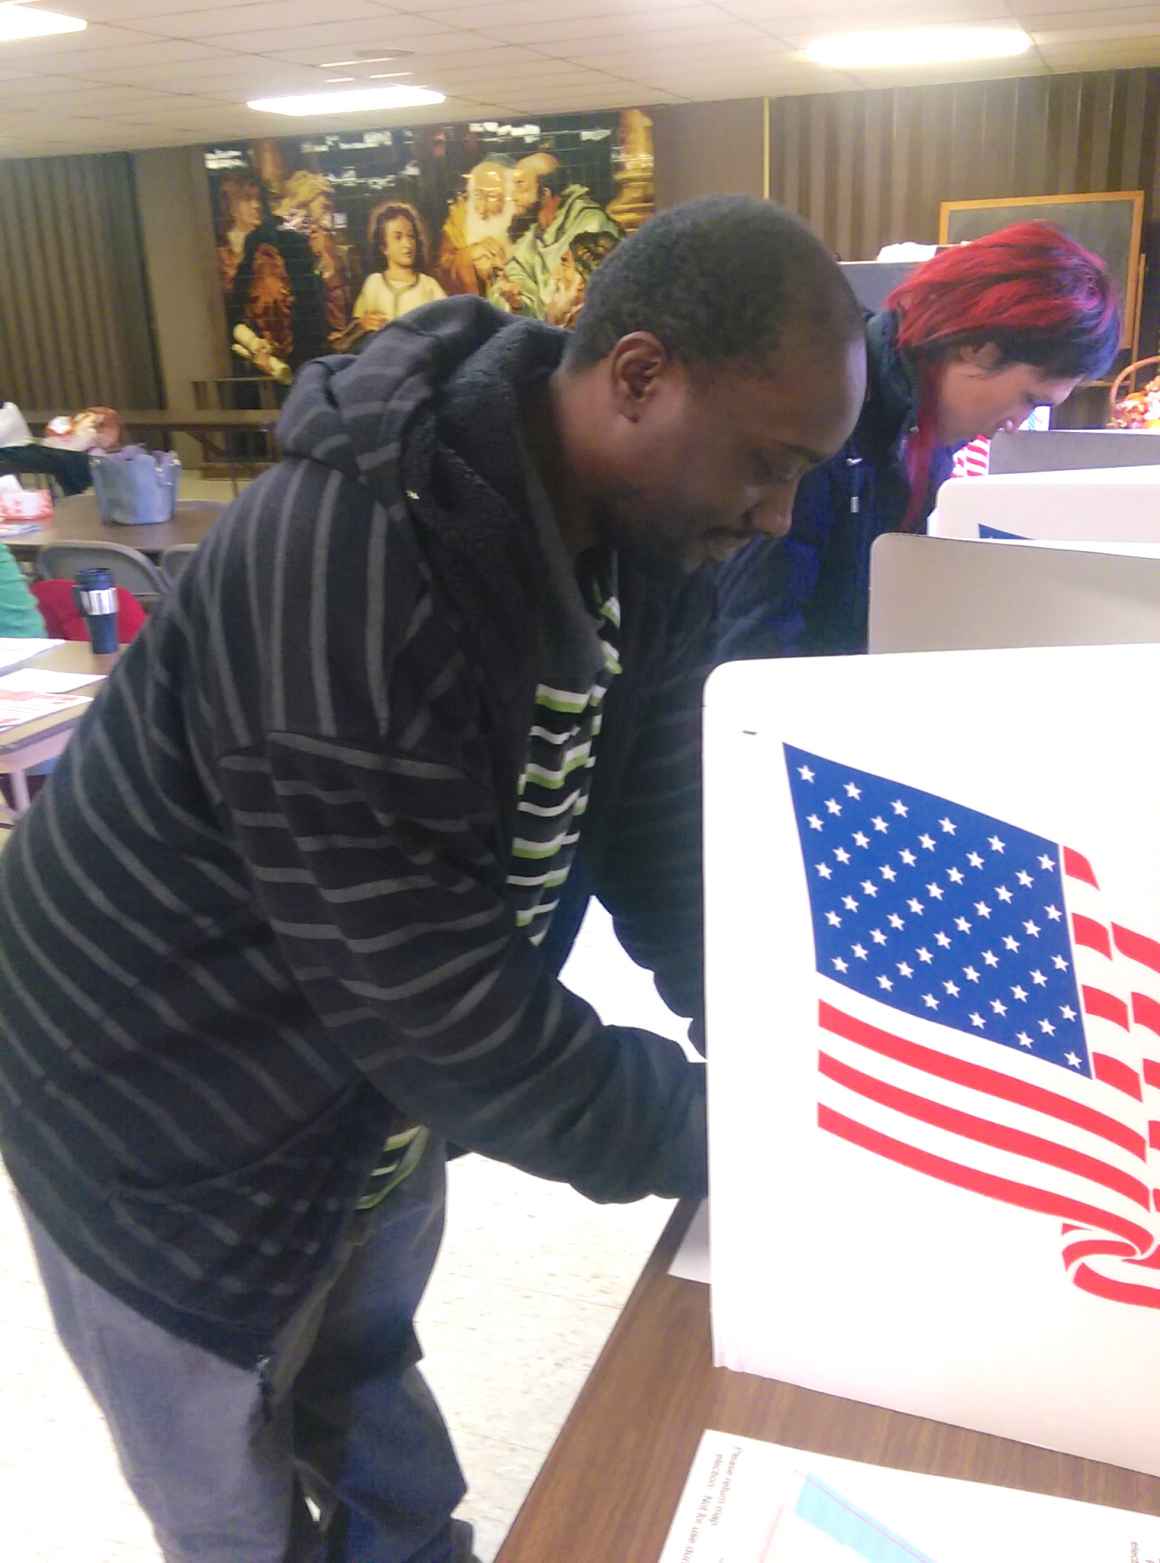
399, 245
247, 209
980, 395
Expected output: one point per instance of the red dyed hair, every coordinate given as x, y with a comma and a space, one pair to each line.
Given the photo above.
1040, 297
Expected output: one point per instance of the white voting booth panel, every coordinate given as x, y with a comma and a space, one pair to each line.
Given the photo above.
940, 594
1116, 504
933, 999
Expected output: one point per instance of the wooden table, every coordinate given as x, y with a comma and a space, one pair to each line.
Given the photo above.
78, 520
201, 424
609, 1488
34, 742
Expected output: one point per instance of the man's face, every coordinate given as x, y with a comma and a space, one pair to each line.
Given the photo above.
247, 206
704, 461
488, 193
320, 210
525, 189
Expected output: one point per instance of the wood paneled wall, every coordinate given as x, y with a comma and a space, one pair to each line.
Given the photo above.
75, 325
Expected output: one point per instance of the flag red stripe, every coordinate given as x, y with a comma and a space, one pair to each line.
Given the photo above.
1115, 1291
1114, 1072
1017, 1141
1086, 931
1137, 947
1154, 1135
1075, 864
1108, 1247
978, 1078
1146, 1012
1005, 1190
1152, 1073
1105, 1006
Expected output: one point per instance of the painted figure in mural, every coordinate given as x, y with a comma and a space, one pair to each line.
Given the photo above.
474, 246
395, 233
277, 295
307, 206
239, 213
550, 214
569, 281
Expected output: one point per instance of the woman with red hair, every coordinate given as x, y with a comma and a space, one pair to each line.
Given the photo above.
972, 341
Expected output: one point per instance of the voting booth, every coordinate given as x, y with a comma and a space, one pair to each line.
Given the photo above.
1116, 504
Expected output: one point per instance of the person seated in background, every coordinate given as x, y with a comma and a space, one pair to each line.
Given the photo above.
19, 614
63, 453
290, 914
968, 344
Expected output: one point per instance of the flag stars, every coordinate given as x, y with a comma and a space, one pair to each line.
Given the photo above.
853, 790
930, 1001
990, 957
1073, 1059
805, 773
998, 1006
962, 925
1047, 1028
904, 970
995, 844
900, 808
1039, 979
833, 919
1032, 928
849, 903
952, 988
974, 860
885, 984
1024, 878
924, 955
896, 922
1004, 894
1067, 1012
977, 1019
1010, 942
861, 839
982, 908
878, 936
1046, 862
869, 888
935, 891
1053, 913
840, 964
942, 940
1059, 963
833, 806
859, 951
825, 870
926, 842
915, 906
908, 857
970, 974
1019, 993
1023, 1039
879, 824
947, 826
888, 873
841, 854
814, 822
955, 875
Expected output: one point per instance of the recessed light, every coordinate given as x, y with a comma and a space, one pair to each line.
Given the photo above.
333, 81
366, 59
388, 75
917, 46
358, 101
18, 21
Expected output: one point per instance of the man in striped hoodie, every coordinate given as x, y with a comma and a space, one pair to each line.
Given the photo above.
288, 918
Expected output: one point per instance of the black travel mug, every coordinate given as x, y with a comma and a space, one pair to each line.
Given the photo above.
97, 599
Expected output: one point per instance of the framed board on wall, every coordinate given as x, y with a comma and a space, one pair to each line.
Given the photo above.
1108, 223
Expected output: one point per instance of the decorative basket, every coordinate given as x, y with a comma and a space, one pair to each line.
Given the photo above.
1135, 409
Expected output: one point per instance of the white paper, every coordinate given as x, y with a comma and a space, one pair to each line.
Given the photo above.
45, 681
691, 1260
833, 1266
752, 1502
16, 708
17, 649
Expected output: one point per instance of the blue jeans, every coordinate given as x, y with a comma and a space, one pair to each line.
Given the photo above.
222, 1458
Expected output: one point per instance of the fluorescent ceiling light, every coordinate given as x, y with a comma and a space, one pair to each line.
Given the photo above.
359, 101
917, 46
365, 59
387, 75
17, 21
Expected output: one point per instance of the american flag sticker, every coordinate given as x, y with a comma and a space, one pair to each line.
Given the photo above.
984, 1019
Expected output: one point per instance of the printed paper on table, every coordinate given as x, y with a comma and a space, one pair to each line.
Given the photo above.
933, 964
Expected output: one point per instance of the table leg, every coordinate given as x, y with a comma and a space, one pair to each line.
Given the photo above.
20, 799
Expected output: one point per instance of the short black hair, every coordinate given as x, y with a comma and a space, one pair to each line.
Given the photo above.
718, 281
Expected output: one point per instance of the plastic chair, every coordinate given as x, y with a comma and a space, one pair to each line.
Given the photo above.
129, 569
175, 559
63, 619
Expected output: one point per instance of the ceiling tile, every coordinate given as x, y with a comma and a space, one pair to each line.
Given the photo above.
222, 22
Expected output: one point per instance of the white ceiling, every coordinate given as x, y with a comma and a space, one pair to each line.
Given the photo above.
172, 72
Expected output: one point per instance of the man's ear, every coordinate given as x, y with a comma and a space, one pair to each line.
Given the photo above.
637, 366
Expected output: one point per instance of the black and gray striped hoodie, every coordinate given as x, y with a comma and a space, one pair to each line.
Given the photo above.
259, 915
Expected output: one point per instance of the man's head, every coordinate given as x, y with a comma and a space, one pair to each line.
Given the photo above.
538, 182
719, 355
489, 201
